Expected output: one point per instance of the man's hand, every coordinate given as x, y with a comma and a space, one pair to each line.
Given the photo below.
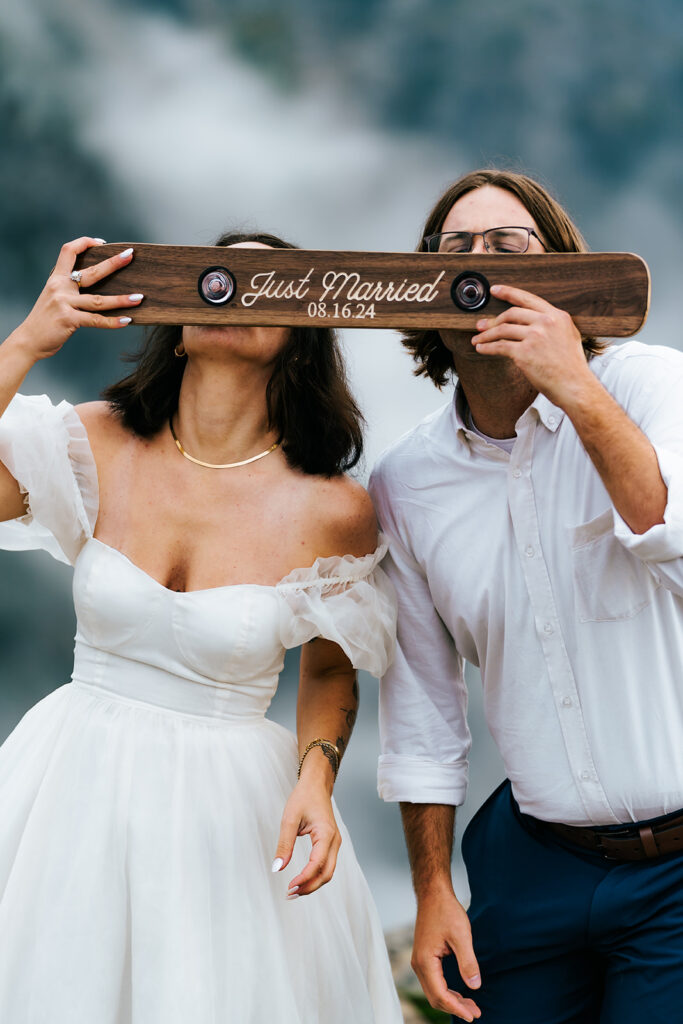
541, 340
546, 346
442, 927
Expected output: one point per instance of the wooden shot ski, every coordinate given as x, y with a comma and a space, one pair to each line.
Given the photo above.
607, 294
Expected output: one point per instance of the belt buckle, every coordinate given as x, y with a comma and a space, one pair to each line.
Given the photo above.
604, 852
643, 833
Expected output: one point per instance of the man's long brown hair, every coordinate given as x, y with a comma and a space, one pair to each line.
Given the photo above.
557, 231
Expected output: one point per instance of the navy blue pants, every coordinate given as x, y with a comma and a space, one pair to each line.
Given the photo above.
563, 936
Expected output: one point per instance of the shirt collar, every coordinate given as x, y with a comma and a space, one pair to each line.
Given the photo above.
472, 442
550, 415
459, 408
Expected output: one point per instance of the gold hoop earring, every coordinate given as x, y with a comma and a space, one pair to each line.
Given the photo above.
179, 350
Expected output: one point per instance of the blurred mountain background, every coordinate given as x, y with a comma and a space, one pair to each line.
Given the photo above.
335, 124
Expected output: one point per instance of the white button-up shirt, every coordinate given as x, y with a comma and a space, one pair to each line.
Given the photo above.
520, 564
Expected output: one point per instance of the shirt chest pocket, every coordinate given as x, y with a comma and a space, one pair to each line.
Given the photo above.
609, 582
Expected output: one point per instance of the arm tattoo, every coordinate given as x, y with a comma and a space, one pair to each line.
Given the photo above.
353, 710
329, 754
350, 716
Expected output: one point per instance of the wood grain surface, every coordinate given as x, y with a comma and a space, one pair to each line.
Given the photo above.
607, 294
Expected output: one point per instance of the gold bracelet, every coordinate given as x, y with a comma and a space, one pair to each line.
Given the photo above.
322, 743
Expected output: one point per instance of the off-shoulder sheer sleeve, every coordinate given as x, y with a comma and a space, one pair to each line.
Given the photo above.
46, 449
347, 600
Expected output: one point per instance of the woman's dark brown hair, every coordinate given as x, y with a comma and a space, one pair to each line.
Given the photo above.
309, 403
557, 232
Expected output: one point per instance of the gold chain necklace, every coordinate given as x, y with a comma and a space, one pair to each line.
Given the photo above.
225, 465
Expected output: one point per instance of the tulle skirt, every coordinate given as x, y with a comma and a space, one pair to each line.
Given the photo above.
136, 844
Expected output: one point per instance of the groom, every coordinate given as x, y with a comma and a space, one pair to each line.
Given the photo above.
535, 528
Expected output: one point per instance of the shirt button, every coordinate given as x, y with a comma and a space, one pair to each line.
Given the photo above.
552, 421
516, 472
529, 551
585, 775
547, 629
567, 703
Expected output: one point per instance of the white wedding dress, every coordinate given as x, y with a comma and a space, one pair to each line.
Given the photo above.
140, 803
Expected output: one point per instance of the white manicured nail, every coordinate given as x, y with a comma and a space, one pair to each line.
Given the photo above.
136, 297
125, 254
277, 864
294, 896
100, 241
125, 320
292, 889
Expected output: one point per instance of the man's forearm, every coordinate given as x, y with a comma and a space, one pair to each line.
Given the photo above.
623, 456
428, 830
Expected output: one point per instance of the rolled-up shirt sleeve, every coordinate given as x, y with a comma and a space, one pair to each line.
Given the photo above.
424, 736
661, 547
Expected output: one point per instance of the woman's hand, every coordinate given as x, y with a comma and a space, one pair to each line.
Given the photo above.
540, 339
62, 308
308, 812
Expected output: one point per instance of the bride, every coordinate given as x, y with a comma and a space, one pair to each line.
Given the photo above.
150, 871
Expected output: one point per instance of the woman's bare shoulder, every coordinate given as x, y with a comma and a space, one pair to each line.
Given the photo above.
102, 424
345, 517
98, 415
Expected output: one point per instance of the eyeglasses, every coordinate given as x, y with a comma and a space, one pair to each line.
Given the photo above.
499, 240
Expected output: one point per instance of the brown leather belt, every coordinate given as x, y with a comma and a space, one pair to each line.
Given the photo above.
630, 842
